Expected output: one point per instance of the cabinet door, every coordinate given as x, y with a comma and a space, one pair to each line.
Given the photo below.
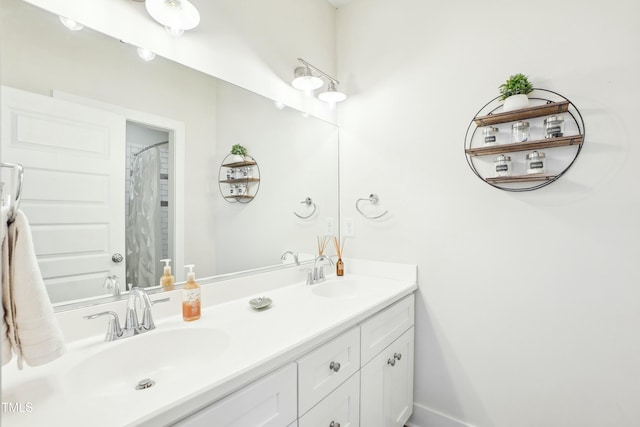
268, 402
387, 385
383, 328
341, 408
325, 368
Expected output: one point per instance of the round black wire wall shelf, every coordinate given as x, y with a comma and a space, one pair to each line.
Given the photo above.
564, 146
239, 178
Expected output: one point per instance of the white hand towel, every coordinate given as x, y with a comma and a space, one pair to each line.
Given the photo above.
5, 345
32, 326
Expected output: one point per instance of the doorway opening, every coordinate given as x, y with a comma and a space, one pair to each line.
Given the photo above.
148, 203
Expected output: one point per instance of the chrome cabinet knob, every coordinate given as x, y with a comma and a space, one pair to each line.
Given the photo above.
117, 258
391, 361
334, 424
397, 356
335, 367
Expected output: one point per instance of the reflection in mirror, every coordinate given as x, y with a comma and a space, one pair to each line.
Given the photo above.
147, 203
148, 103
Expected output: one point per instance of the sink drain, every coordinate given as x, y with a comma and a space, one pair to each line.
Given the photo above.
145, 383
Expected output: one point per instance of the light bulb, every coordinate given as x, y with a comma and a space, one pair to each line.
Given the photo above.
146, 54
71, 24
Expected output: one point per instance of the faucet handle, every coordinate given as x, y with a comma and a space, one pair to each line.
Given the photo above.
113, 329
309, 275
147, 318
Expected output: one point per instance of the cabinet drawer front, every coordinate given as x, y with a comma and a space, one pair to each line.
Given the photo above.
319, 372
382, 329
268, 402
341, 407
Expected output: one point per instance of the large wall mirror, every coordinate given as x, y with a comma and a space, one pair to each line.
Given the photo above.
130, 165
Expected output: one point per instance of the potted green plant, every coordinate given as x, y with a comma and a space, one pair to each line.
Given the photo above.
514, 92
238, 153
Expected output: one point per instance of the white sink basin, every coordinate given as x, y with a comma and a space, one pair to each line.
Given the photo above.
160, 355
337, 288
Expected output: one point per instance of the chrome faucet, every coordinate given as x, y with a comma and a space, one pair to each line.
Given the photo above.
111, 284
293, 254
132, 325
317, 274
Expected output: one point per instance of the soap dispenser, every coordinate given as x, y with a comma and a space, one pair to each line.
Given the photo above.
190, 296
167, 281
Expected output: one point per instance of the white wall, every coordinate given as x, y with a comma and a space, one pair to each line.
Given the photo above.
529, 307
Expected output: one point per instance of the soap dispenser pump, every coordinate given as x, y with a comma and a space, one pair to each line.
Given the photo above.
190, 296
167, 281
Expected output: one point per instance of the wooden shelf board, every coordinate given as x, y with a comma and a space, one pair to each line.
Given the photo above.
238, 197
239, 180
526, 113
239, 164
520, 178
526, 146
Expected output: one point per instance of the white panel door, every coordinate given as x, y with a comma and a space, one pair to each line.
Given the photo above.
73, 193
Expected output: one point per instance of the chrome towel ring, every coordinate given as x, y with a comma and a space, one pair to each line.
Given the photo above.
13, 208
307, 202
373, 199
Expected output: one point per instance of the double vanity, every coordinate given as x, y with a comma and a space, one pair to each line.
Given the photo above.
337, 353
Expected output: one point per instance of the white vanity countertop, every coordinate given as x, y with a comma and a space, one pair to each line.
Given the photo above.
258, 342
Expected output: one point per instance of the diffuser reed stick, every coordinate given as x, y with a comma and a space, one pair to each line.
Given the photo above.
339, 248
322, 244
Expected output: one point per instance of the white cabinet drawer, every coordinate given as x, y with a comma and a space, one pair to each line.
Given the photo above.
325, 368
383, 328
342, 407
268, 402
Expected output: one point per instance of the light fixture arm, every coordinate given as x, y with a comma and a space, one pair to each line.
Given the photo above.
319, 71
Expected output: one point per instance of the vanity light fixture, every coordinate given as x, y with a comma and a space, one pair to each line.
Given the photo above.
146, 54
331, 95
176, 15
71, 24
305, 80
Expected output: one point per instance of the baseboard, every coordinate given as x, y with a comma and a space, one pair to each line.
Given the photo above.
426, 417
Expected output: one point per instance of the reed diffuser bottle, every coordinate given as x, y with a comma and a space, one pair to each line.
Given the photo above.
339, 263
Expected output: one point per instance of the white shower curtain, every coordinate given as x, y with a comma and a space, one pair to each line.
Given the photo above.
143, 224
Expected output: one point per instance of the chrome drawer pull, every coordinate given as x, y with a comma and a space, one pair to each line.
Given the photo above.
334, 424
397, 356
335, 367
391, 362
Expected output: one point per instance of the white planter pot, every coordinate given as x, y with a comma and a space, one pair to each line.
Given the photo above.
515, 102
235, 158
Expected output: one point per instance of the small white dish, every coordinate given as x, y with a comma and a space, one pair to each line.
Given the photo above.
260, 303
